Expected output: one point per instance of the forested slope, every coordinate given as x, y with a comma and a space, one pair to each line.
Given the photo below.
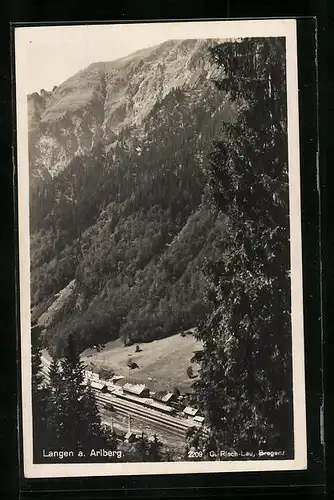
126, 217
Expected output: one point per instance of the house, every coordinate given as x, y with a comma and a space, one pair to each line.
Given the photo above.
199, 419
136, 389
120, 382
190, 412
115, 378
100, 386
164, 396
157, 396
177, 404
112, 383
91, 375
169, 397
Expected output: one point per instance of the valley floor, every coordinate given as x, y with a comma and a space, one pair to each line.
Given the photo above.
162, 364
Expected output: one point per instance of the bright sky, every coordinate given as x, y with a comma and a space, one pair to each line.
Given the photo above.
56, 53
48, 55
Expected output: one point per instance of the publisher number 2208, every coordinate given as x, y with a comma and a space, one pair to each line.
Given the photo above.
195, 454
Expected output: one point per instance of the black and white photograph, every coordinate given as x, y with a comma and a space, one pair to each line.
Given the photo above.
160, 268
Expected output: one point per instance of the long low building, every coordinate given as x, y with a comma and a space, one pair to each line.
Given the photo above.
136, 389
160, 406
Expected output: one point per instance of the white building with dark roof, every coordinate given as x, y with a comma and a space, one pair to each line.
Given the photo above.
190, 412
199, 419
164, 396
136, 389
98, 385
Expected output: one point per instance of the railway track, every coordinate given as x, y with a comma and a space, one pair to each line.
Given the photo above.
165, 433
138, 409
165, 424
160, 423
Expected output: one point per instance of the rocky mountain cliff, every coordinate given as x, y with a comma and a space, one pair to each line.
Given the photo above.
116, 167
97, 103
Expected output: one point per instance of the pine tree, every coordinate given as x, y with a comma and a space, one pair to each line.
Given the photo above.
40, 396
143, 448
36, 357
53, 404
154, 453
55, 375
245, 377
92, 418
78, 417
69, 399
186, 452
110, 436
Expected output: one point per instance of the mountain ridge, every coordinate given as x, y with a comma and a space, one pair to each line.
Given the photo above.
114, 95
